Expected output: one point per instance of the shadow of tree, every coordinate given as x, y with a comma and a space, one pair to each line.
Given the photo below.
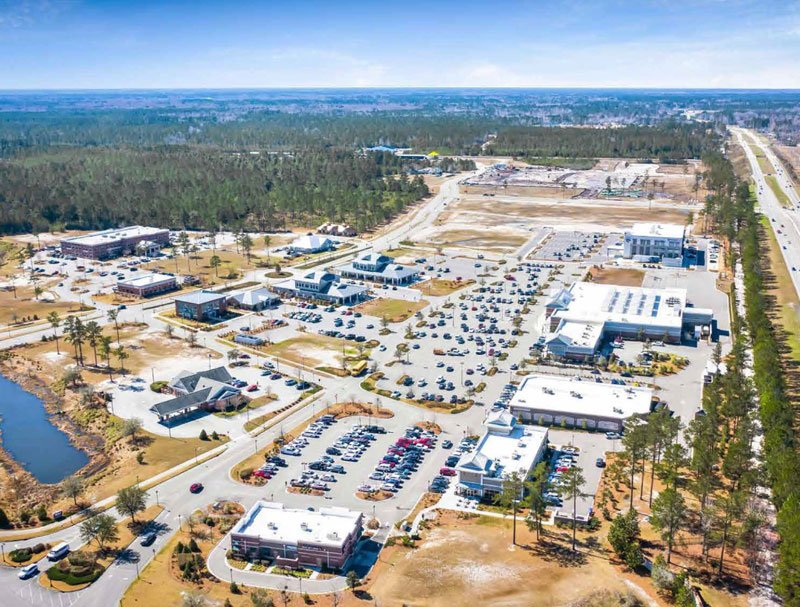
553, 552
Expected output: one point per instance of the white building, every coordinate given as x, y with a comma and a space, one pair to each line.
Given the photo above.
554, 399
311, 243
504, 448
577, 318
297, 537
655, 242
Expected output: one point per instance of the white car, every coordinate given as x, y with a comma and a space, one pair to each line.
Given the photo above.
28, 571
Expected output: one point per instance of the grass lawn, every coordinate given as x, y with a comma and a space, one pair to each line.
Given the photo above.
160, 454
627, 277
406, 252
395, 310
25, 304
312, 350
232, 265
787, 306
438, 287
778, 191
763, 162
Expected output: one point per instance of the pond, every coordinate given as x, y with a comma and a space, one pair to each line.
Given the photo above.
30, 438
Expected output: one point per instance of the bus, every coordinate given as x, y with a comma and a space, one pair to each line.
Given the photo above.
358, 368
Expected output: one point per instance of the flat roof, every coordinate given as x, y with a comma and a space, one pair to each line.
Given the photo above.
200, 297
505, 447
114, 235
274, 522
146, 280
582, 397
581, 334
590, 302
657, 230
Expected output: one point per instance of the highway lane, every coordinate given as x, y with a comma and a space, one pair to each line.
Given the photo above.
781, 218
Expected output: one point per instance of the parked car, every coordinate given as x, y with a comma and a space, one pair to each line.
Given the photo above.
447, 472
196, 487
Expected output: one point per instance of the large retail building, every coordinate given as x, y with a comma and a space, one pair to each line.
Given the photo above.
114, 243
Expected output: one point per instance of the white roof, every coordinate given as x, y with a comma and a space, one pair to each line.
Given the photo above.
581, 397
500, 453
115, 235
254, 297
272, 521
311, 242
146, 280
597, 303
579, 334
657, 230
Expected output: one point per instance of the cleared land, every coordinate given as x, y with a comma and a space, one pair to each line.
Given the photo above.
496, 211
627, 277
393, 310
313, 350
466, 560
763, 161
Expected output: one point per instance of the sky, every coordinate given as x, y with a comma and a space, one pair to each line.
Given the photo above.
109, 44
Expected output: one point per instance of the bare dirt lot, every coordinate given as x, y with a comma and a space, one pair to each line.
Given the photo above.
611, 215
626, 277
463, 561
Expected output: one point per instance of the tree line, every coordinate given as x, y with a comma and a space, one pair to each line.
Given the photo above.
186, 187
667, 142
732, 209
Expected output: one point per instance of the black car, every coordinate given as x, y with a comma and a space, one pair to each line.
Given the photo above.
333, 451
148, 538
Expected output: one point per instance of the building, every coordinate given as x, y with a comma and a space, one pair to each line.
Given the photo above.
577, 318
297, 537
336, 229
555, 399
379, 268
207, 390
323, 286
256, 300
147, 285
654, 242
201, 305
113, 243
504, 448
311, 243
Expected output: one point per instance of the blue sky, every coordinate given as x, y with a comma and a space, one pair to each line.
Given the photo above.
340, 43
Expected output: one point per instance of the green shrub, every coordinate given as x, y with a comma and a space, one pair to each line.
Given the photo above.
158, 386
203, 434
20, 555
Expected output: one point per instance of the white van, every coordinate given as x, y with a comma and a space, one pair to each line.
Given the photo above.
58, 551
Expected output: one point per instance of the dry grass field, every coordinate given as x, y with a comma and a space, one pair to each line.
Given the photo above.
627, 277
394, 310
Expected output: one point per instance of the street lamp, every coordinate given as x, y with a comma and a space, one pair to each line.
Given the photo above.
157, 504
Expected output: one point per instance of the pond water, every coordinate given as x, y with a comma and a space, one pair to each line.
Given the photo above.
30, 438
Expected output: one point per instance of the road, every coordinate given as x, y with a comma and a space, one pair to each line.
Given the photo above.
214, 474
784, 219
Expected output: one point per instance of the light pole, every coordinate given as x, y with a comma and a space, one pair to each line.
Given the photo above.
195, 455
157, 504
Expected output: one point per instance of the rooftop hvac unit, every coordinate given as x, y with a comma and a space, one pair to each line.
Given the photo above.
333, 535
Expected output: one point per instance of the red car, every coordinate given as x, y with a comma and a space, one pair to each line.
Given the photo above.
447, 472
196, 488
252, 388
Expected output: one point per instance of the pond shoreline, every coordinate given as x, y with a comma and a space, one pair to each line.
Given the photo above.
21, 371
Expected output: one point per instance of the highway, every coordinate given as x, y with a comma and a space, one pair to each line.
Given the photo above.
781, 218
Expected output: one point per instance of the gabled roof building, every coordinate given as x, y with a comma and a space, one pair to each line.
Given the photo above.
379, 268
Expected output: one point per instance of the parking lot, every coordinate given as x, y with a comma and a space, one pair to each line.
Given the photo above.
570, 246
